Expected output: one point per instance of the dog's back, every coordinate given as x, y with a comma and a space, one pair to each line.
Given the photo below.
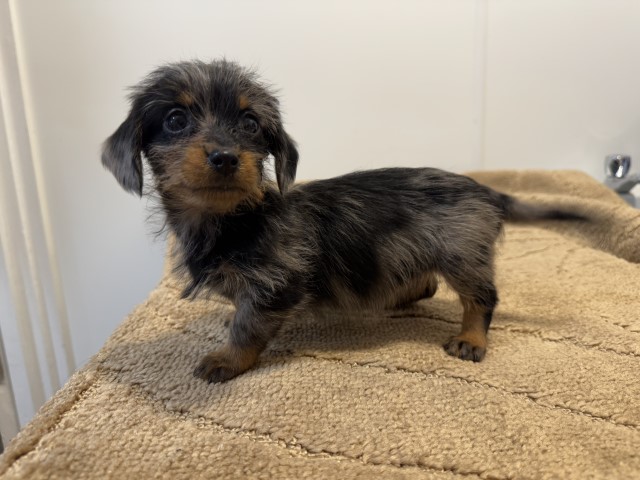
380, 236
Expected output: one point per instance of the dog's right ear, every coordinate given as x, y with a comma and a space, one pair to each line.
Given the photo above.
122, 155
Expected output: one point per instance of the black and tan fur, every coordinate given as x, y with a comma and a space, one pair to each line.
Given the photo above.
373, 239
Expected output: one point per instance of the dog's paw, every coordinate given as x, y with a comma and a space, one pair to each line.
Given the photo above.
214, 371
224, 364
465, 349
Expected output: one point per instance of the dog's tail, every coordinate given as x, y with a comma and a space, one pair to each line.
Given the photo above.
518, 211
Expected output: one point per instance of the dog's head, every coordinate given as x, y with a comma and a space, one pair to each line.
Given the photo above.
205, 130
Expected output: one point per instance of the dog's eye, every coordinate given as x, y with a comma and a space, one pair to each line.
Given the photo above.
176, 121
249, 124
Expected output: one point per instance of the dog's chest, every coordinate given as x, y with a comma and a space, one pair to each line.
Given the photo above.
216, 253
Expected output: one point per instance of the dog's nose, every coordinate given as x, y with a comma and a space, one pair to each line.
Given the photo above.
223, 162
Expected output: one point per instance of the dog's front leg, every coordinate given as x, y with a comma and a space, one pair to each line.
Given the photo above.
250, 332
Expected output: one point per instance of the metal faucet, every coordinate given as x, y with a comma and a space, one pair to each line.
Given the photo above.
616, 167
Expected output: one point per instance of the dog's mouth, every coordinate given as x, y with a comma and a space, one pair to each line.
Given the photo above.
219, 199
215, 193
213, 189
218, 189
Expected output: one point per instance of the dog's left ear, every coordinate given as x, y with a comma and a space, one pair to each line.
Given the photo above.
122, 155
285, 153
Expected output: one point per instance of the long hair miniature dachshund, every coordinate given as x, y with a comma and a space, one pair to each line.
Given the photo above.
370, 239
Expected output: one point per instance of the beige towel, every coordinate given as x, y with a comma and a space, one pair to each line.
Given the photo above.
373, 395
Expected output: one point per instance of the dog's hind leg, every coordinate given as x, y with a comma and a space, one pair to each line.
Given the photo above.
479, 298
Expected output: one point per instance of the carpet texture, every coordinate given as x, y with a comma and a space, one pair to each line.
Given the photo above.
373, 395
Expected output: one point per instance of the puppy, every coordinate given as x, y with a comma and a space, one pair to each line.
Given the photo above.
370, 239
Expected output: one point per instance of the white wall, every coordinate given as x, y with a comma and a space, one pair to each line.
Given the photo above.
562, 83
457, 84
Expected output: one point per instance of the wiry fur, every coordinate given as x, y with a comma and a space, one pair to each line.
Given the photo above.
372, 239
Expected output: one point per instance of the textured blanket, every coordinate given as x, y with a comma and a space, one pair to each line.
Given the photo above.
373, 394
